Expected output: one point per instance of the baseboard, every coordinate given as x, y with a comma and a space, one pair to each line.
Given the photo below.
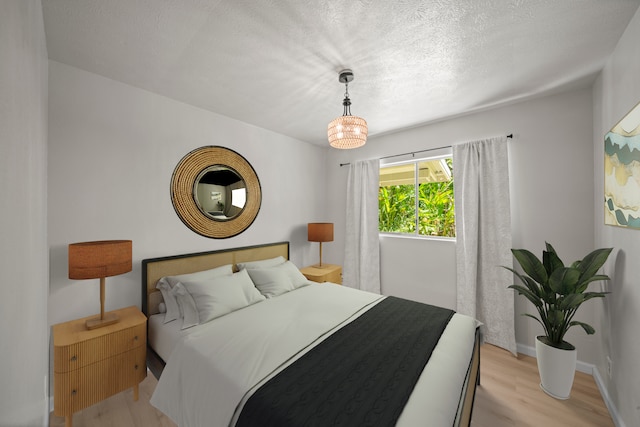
592, 370
613, 411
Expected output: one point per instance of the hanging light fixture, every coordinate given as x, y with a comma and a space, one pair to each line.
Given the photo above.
347, 131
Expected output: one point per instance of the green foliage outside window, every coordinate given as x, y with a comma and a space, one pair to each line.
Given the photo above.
436, 210
397, 209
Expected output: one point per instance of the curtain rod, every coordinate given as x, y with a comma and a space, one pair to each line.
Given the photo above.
414, 152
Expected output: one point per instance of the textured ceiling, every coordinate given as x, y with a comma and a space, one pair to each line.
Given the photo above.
275, 63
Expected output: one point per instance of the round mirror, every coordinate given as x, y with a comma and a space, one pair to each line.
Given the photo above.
215, 192
220, 192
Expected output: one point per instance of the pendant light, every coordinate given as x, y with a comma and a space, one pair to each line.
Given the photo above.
347, 131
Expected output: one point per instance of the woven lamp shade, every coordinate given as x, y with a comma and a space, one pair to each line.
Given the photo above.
347, 132
320, 232
94, 260
98, 260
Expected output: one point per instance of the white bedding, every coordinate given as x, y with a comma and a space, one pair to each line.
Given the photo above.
214, 365
163, 337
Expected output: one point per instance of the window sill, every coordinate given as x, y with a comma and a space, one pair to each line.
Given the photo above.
417, 237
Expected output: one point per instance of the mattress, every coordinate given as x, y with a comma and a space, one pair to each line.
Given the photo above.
213, 368
163, 337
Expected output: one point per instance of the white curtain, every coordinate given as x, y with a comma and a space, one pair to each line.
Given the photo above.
483, 238
362, 247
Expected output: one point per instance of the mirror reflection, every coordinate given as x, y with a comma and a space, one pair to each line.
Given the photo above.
220, 192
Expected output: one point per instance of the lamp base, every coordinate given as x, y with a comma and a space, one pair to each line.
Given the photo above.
321, 266
109, 319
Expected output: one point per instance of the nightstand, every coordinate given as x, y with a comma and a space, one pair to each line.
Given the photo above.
326, 273
91, 365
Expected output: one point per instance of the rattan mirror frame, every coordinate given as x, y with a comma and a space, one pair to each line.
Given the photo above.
183, 199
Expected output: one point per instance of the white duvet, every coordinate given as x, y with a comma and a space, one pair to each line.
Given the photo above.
212, 369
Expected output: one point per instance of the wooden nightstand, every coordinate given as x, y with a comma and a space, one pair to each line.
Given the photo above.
326, 273
91, 365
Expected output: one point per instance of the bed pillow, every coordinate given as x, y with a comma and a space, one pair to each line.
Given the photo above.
188, 305
222, 295
181, 303
170, 301
277, 280
297, 278
263, 263
272, 281
162, 307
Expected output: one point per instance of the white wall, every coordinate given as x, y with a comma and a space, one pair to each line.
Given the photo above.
112, 150
23, 227
615, 93
418, 269
551, 162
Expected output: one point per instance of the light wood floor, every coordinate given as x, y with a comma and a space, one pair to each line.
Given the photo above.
509, 395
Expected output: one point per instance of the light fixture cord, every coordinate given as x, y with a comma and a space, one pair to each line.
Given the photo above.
346, 101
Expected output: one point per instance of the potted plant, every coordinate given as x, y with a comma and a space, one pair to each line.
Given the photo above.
557, 292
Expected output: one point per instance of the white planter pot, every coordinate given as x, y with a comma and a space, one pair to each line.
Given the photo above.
557, 368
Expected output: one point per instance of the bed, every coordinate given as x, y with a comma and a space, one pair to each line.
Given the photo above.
299, 356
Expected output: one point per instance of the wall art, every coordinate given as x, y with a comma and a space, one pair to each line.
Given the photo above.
622, 172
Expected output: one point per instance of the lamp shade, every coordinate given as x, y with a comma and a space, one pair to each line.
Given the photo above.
346, 132
320, 232
104, 258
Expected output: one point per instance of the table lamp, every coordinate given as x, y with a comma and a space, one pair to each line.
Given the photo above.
320, 232
98, 260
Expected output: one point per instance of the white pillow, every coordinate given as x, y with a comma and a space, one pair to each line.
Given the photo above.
188, 306
274, 281
264, 263
222, 295
297, 278
175, 306
173, 310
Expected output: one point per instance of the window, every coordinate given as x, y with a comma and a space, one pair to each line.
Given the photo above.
239, 197
417, 198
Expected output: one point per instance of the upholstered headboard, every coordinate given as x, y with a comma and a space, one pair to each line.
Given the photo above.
155, 268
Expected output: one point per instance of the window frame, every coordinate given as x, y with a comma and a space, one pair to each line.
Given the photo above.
416, 161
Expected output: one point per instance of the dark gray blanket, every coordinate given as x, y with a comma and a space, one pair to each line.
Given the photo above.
361, 375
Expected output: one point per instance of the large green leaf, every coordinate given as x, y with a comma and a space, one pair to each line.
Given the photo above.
585, 284
571, 302
531, 265
587, 328
551, 260
528, 282
592, 263
564, 280
535, 300
591, 295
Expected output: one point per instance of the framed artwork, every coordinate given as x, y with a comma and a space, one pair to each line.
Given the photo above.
622, 172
